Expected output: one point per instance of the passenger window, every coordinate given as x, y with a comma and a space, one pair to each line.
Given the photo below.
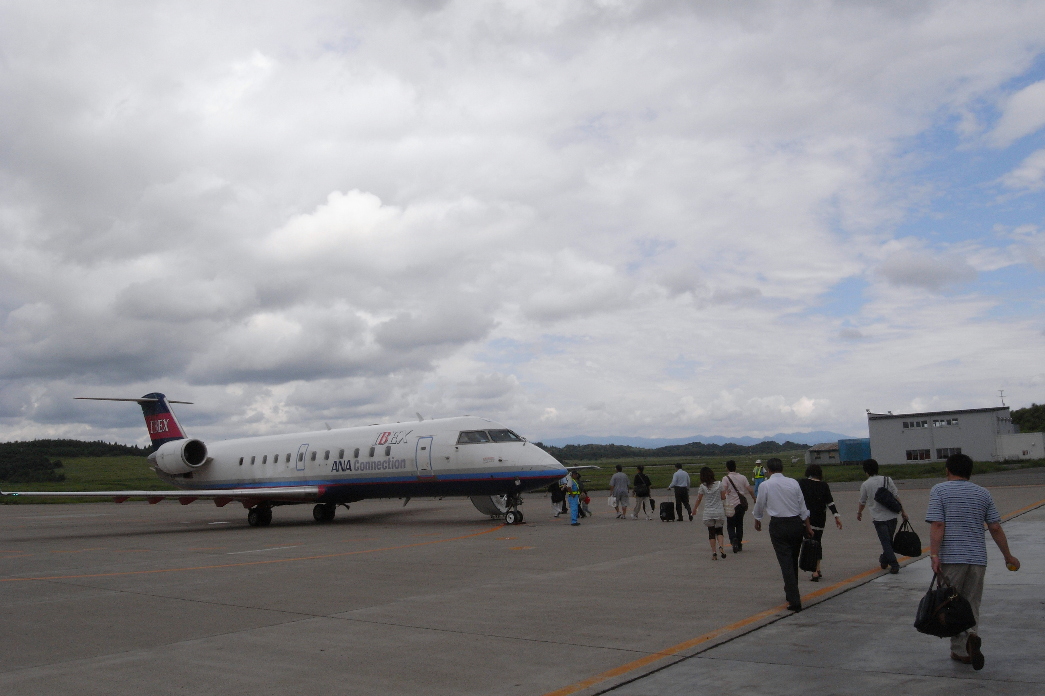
371, 451
355, 454
341, 454
265, 459
241, 461
301, 456
252, 461
288, 457
470, 437
275, 459
504, 436
388, 450
326, 455
313, 455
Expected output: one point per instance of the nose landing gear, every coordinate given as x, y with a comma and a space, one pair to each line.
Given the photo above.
513, 515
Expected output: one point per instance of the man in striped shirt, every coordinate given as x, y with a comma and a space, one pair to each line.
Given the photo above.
958, 509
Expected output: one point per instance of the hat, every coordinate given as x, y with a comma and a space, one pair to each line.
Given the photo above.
758, 461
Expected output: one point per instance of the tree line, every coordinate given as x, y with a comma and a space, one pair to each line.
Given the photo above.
576, 453
36, 461
1030, 419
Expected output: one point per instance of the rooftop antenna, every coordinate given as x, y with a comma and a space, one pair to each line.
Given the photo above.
1001, 395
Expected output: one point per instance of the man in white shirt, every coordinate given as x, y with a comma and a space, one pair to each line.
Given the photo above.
781, 498
680, 484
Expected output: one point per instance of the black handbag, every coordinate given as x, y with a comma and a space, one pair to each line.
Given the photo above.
943, 612
810, 555
906, 541
884, 497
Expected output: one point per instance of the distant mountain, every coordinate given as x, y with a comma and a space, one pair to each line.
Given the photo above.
809, 438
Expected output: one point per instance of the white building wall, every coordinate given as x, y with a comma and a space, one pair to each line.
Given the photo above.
975, 433
1021, 446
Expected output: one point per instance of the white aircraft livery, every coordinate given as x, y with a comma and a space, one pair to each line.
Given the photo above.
465, 456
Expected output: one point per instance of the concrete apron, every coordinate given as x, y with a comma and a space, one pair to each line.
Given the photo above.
863, 640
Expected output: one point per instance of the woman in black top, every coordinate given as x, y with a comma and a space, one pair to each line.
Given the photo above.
818, 499
642, 494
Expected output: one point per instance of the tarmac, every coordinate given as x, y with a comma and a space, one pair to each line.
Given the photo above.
434, 598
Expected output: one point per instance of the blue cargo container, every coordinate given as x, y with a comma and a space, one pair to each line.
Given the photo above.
850, 451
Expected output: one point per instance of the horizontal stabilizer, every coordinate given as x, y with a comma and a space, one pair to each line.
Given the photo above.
137, 401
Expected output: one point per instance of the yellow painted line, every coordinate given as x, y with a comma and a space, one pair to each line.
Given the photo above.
694, 642
252, 563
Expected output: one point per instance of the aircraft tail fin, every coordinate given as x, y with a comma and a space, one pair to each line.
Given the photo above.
160, 420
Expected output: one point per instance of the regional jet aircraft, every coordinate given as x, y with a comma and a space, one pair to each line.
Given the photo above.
464, 456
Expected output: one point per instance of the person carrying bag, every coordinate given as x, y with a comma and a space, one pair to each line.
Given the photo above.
943, 612
906, 541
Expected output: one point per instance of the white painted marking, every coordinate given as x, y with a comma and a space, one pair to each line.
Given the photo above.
274, 548
217, 523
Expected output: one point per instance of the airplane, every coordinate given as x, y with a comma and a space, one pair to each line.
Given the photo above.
462, 456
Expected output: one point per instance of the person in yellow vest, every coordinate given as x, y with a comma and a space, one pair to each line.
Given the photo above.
758, 475
573, 495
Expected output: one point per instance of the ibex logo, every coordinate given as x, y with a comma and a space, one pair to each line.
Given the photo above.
162, 425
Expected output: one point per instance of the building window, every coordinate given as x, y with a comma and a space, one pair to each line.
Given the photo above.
944, 422
944, 452
918, 455
907, 425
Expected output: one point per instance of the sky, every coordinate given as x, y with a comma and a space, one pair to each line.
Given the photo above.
649, 219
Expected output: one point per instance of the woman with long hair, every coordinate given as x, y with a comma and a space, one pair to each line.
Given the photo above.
714, 510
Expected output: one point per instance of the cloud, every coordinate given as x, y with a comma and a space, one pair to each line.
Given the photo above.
1030, 175
1023, 113
608, 218
926, 270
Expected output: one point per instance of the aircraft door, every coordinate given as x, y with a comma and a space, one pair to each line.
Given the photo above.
423, 456
302, 452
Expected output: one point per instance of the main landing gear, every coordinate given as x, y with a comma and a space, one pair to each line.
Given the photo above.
513, 515
324, 512
259, 516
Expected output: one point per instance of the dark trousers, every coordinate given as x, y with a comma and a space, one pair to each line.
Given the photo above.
682, 500
735, 529
886, 530
787, 533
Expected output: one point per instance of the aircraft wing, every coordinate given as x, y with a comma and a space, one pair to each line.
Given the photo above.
221, 497
582, 467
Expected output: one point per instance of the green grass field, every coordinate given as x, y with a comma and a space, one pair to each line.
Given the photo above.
93, 474
134, 473
660, 469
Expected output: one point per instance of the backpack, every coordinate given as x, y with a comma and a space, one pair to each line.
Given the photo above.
884, 497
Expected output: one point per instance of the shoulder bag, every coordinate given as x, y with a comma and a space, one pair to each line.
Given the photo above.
742, 505
884, 497
943, 612
906, 541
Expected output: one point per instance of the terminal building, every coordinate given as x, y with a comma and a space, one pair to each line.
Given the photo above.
985, 434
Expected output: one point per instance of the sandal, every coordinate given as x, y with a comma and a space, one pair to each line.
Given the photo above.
714, 556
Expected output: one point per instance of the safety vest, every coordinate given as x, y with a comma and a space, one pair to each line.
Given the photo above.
575, 487
760, 472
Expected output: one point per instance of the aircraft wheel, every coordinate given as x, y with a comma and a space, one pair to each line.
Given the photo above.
264, 516
253, 518
511, 517
519, 518
324, 512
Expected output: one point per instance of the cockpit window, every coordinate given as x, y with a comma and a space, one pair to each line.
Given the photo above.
468, 437
504, 436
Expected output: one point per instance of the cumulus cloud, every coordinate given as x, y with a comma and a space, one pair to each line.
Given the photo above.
600, 218
926, 270
1029, 175
1022, 113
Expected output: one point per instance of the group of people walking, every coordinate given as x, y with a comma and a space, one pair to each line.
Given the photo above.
795, 510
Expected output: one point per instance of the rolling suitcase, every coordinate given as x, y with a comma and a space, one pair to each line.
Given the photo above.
667, 512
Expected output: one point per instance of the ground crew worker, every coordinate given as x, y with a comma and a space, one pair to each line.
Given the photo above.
758, 475
573, 495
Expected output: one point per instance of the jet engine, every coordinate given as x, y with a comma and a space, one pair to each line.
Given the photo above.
180, 456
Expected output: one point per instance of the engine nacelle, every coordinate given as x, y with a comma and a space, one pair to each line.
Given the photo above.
180, 456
